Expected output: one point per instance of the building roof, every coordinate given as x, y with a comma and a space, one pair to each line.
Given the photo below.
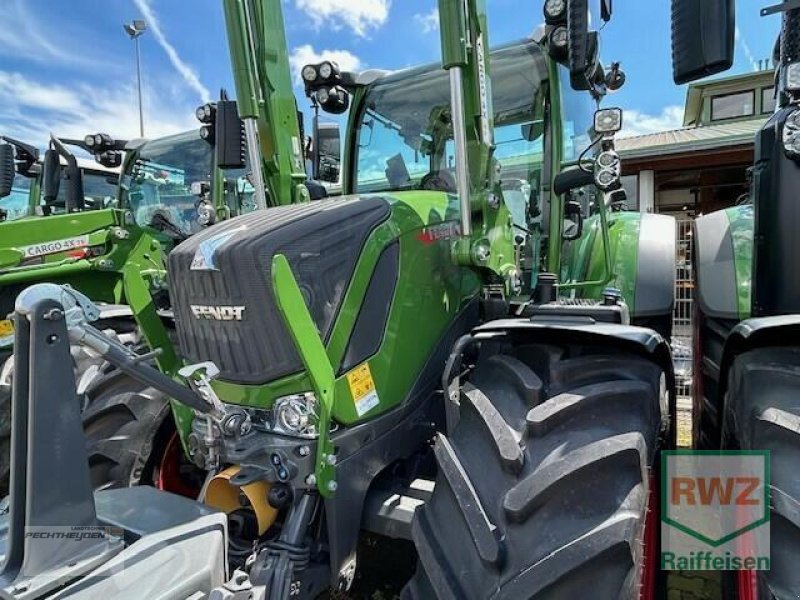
690, 139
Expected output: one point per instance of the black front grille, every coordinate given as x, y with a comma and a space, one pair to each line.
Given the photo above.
321, 241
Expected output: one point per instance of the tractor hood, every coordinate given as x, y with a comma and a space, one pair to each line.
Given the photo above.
34, 237
221, 284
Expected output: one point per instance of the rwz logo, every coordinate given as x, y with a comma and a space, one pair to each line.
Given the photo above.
218, 313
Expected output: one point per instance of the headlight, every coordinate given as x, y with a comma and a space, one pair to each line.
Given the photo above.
608, 120
792, 77
323, 95
309, 73
296, 415
555, 11
89, 141
326, 70
791, 135
98, 139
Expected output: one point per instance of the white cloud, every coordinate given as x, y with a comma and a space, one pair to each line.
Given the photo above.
185, 71
748, 54
305, 54
428, 21
22, 36
30, 109
359, 15
640, 123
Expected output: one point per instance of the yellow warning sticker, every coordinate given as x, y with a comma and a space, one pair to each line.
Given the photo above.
362, 388
6, 332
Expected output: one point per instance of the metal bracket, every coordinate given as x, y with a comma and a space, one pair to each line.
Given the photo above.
782, 7
312, 352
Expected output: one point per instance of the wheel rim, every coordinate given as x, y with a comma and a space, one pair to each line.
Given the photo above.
648, 586
169, 476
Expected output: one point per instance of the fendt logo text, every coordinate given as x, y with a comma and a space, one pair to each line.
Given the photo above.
218, 313
715, 510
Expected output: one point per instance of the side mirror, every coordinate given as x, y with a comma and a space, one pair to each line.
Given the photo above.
51, 177
327, 153
7, 169
532, 131
702, 38
578, 54
229, 136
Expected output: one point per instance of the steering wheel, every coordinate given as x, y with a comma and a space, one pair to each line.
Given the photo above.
440, 181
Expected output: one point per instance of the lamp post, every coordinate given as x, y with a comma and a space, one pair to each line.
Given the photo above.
135, 29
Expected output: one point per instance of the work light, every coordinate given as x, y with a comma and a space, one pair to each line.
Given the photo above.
555, 11
309, 73
326, 70
792, 77
608, 120
206, 112
89, 141
791, 135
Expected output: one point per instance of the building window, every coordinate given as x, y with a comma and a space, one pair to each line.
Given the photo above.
768, 100
732, 106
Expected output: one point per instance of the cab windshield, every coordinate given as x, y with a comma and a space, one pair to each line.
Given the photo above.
405, 135
17, 204
160, 180
99, 191
577, 118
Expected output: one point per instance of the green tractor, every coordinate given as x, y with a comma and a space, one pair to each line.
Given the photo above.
477, 286
106, 235
747, 315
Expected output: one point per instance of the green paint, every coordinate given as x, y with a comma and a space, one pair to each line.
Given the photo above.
312, 352
585, 258
264, 92
741, 220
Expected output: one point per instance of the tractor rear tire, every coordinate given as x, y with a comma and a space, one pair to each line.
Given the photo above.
122, 421
762, 412
544, 485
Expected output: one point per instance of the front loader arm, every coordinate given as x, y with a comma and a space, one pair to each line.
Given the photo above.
266, 102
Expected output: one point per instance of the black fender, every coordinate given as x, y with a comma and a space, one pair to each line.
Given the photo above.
716, 293
636, 340
756, 333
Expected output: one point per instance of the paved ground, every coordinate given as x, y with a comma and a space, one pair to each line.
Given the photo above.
691, 585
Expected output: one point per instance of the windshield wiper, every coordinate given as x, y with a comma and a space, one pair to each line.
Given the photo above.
161, 222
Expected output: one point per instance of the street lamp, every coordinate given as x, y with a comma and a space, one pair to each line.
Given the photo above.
134, 29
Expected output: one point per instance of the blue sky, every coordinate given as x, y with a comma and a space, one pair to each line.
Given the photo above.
68, 66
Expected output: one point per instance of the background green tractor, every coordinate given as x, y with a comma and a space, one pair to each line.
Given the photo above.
746, 323
107, 235
442, 297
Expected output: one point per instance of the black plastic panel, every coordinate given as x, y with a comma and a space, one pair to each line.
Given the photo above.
776, 180
370, 325
322, 242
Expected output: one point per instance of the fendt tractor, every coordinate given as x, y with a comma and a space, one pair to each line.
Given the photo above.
451, 352
747, 361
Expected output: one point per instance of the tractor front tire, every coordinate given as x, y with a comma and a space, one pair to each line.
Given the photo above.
122, 421
544, 485
762, 412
